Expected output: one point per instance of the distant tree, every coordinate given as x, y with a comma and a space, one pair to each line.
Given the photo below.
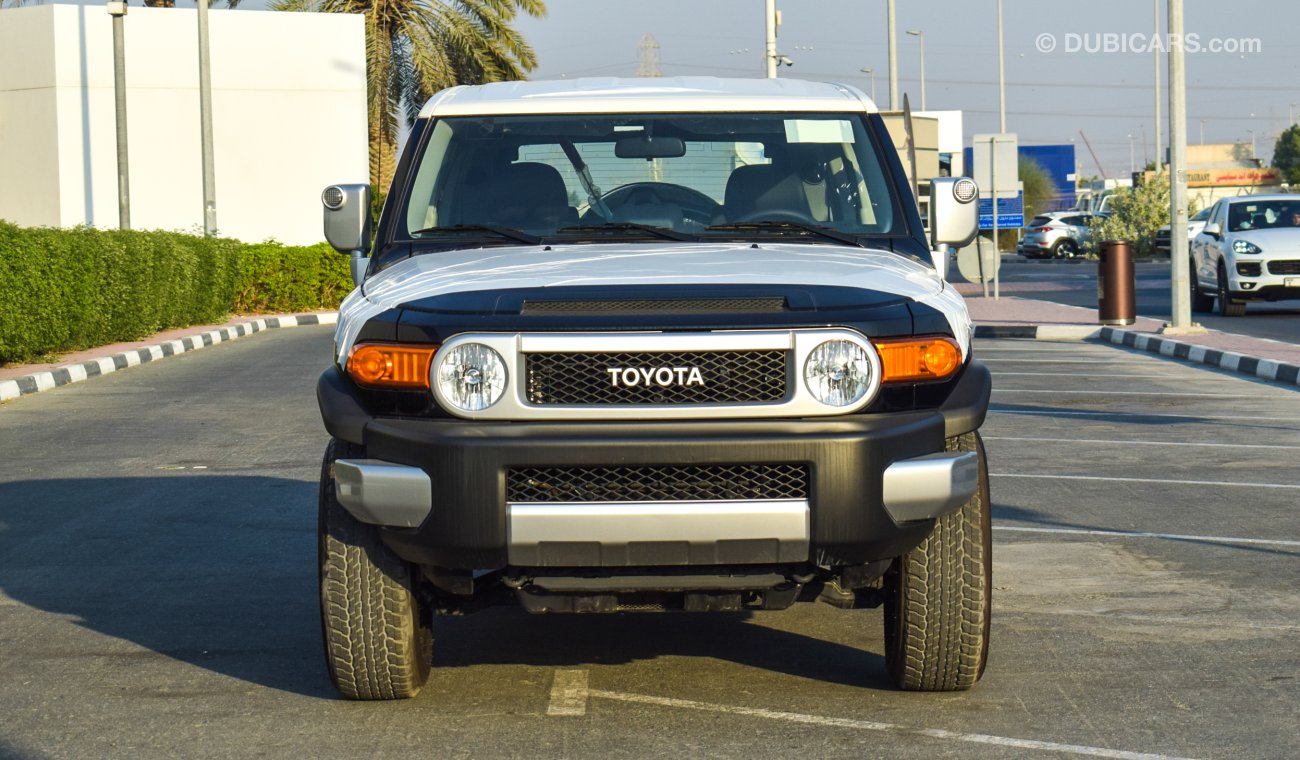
1286, 154
1136, 213
1040, 190
416, 47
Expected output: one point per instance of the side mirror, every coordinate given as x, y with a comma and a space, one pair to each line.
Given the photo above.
347, 224
1213, 230
954, 217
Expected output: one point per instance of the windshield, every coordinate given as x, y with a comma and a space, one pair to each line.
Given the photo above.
587, 177
1258, 215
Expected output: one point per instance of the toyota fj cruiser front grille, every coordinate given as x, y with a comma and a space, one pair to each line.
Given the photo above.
657, 377
747, 482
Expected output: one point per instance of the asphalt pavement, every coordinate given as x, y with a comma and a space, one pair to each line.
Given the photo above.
1075, 283
158, 594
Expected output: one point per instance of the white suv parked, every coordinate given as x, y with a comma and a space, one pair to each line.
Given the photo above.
1249, 250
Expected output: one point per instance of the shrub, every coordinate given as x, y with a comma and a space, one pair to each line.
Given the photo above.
1136, 214
280, 278
69, 289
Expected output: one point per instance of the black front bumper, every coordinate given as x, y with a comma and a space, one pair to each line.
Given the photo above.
467, 463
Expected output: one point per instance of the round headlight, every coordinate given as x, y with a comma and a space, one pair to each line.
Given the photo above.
838, 373
471, 376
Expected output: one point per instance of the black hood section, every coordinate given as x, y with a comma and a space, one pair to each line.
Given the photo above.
655, 307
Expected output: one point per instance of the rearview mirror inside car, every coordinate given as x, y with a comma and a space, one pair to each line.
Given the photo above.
644, 146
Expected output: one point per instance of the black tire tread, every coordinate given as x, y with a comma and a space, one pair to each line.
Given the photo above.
1201, 301
940, 597
377, 643
1227, 306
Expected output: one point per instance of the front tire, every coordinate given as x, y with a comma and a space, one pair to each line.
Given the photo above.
378, 643
938, 597
1227, 306
1201, 302
1065, 249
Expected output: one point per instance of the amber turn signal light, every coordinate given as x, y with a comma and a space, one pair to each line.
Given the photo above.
917, 359
392, 366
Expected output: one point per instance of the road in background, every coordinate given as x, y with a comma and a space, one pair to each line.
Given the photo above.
1075, 283
158, 591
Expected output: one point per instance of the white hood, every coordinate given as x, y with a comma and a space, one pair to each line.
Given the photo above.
433, 274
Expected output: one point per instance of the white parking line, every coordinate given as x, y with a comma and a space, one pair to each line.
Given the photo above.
1104, 376
1062, 413
871, 725
568, 693
1091, 392
1145, 480
1143, 443
1109, 362
1144, 534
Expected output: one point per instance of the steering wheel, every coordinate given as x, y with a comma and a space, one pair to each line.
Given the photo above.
774, 215
693, 203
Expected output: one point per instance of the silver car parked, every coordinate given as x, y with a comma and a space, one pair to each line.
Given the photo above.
1059, 234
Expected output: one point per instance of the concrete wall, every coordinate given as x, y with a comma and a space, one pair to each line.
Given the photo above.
289, 117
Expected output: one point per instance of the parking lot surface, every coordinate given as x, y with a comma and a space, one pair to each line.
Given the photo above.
158, 590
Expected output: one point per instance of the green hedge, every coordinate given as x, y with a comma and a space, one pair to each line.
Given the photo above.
276, 278
69, 289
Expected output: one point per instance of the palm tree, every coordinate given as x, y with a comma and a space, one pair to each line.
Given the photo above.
416, 47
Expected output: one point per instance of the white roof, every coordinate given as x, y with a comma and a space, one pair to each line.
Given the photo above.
646, 95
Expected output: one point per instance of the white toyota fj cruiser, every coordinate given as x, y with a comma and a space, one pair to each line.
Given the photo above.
641, 345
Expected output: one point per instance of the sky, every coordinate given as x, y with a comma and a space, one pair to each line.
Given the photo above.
1050, 96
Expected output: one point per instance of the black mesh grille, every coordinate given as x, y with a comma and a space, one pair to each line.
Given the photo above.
657, 306
726, 377
1284, 267
657, 483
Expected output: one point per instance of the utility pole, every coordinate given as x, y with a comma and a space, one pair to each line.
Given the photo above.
1252, 142
1181, 319
1159, 149
770, 54
893, 59
1002, 80
1132, 167
205, 125
118, 11
1202, 131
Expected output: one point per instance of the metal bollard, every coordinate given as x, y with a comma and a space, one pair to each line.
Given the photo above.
1116, 292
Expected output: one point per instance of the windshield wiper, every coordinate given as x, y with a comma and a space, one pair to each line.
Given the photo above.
660, 232
502, 232
829, 234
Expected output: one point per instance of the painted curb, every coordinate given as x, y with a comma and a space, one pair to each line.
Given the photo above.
1263, 369
1038, 332
76, 373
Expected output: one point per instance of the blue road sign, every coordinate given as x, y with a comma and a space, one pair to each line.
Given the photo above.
1011, 212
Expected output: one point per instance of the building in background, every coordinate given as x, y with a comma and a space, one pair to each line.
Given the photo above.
288, 104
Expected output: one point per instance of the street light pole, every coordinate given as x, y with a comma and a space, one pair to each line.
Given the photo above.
1156, 52
1202, 131
919, 34
893, 59
872, 73
1132, 166
769, 56
1002, 81
1181, 319
205, 125
118, 11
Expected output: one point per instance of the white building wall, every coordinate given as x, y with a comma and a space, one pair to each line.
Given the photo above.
289, 118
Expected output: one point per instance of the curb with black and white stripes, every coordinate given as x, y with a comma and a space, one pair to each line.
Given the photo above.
1262, 369
75, 373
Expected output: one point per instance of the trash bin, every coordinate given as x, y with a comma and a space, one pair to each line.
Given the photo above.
1116, 292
